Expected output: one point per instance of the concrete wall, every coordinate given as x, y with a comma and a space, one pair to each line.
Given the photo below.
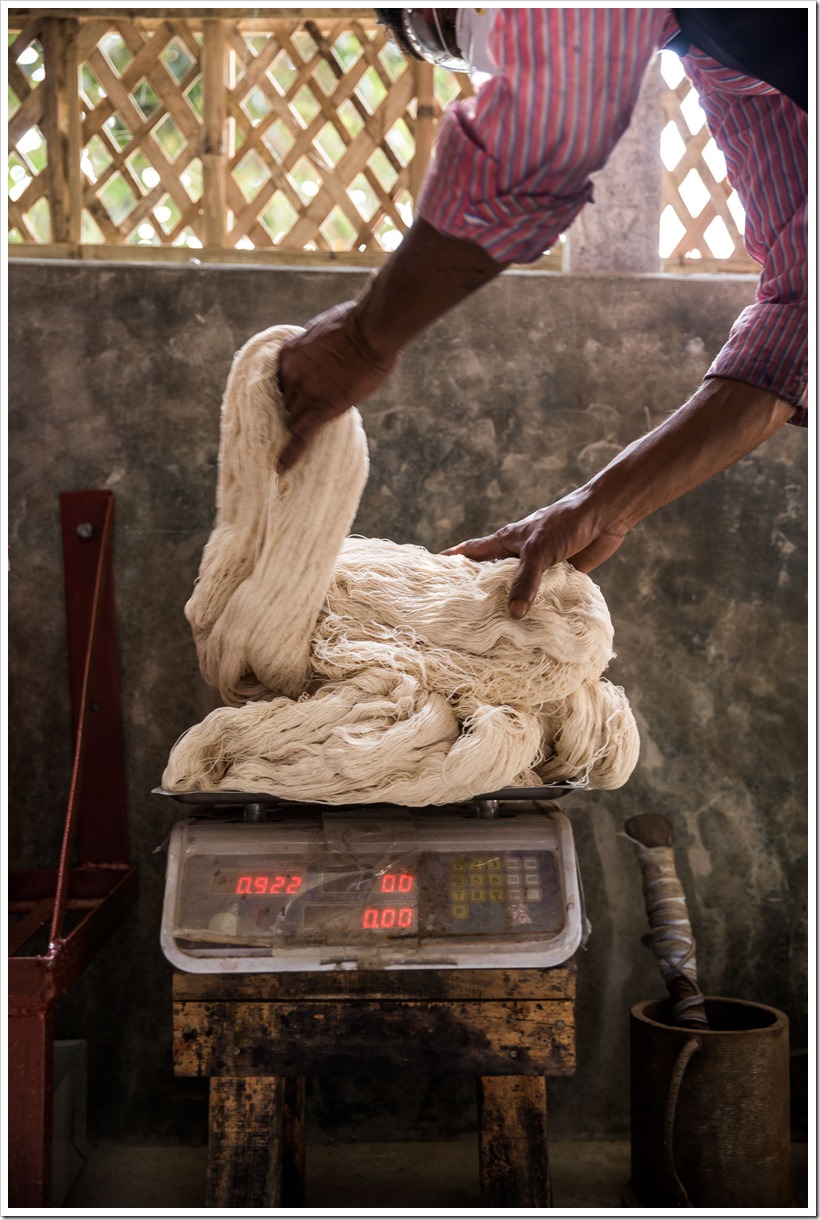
115, 381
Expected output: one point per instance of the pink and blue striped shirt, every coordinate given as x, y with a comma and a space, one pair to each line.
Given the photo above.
512, 165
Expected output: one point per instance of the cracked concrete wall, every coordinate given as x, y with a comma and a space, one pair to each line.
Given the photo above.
116, 376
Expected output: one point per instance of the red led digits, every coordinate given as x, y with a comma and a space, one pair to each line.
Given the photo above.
383, 918
261, 883
397, 882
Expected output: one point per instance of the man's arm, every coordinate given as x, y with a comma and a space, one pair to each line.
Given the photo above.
511, 171
722, 422
346, 353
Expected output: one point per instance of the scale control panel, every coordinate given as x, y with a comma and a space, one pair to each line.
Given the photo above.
384, 888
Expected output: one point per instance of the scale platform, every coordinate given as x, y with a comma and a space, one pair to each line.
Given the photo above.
256, 884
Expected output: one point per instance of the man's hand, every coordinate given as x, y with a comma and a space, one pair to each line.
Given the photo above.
324, 372
568, 529
722, 422
347, 352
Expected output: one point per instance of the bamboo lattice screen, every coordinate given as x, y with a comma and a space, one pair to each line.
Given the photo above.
250, 134
702, 219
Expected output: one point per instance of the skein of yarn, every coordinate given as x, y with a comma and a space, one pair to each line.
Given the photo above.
361, 670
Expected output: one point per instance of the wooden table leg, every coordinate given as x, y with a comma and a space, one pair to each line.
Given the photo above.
512, 1132
245, 1143
293, 1143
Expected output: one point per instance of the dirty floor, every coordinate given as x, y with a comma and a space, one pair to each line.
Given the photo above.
586, 1174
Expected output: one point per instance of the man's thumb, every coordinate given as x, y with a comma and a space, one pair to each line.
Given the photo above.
524, 587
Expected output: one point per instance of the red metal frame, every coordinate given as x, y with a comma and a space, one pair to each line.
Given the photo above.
93, 876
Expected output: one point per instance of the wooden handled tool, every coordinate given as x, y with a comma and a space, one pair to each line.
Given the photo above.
670, 936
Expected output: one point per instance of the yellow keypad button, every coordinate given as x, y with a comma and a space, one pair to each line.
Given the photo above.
458, 895
495, 879
476, 879
460, 910
458, 866
496, 895
476, 895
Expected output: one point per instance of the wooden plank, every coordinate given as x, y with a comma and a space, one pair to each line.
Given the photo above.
25, 202
25, 31
55, 34
214, 142
262, 256
74, 135
246, 1119
356, 1037
557, 983
512, 1134
29, 114
260, 17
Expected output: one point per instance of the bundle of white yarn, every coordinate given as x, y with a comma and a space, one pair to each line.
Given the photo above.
358, 670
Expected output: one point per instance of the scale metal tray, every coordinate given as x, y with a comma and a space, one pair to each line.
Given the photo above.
234, 800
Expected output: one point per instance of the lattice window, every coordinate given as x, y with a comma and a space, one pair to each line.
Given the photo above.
29, 212
141, 171
294, 135
277, 135
702, 218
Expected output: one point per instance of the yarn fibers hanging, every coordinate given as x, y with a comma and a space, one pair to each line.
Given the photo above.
358, 670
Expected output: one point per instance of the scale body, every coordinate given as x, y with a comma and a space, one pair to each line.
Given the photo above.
376, 887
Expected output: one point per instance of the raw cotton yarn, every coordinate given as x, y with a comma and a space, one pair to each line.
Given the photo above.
358, 670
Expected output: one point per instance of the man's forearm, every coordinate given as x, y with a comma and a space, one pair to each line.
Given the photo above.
722, 422
427, 275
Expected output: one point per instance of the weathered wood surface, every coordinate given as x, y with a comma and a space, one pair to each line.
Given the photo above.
245, 1142
399, 1037
513, 1150
557, 983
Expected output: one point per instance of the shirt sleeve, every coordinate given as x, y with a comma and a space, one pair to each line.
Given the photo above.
512, 165
764, 138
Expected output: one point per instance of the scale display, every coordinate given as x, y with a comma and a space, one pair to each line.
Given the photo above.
382, 889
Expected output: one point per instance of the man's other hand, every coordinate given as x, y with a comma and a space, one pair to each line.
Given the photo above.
568, 529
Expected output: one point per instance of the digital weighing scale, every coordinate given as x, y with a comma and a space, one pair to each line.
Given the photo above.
255, 884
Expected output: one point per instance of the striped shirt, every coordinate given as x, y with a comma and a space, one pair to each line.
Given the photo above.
512, 165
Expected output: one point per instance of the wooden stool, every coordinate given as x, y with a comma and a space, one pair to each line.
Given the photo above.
259, 1035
